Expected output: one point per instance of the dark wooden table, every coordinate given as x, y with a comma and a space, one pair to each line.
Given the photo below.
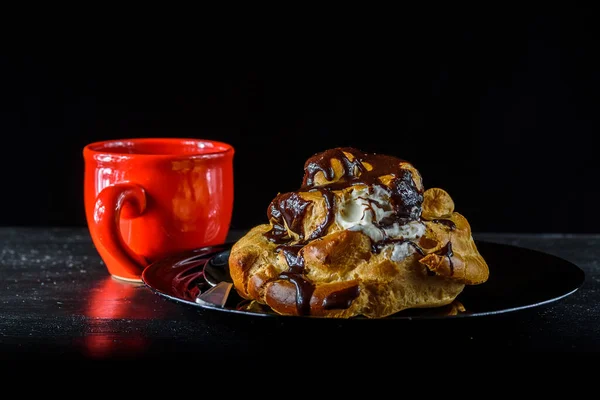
57, 301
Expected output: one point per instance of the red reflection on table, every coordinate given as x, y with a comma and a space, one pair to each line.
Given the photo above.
112, 303
116, 299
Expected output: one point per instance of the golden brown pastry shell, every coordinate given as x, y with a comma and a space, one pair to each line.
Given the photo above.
343, 259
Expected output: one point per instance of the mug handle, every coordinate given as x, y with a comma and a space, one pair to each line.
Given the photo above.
107, 216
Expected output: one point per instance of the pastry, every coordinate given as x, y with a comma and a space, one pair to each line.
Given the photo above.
361, 237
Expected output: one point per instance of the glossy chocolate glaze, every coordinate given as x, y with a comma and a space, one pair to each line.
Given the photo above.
288, 210
341, 299
295, 274
321, 162
447, 251
329, 217
406, 199
304, 290
292, 255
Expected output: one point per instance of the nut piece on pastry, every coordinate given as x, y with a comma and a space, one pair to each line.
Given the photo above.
361, 237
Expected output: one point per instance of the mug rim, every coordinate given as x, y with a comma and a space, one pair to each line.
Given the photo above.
99, 148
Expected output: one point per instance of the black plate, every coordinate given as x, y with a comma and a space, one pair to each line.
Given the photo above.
519, 279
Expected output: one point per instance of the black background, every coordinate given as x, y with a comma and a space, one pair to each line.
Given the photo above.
500, 109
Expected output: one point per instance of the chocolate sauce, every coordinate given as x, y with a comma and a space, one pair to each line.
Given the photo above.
321, 162
449, 223
288, 210
447, 251
329, 217
295, 275
405, 198
304, 290
341, 299
377, 246
292, 255
351, 170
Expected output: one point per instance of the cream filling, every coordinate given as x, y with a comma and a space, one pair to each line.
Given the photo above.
359, 210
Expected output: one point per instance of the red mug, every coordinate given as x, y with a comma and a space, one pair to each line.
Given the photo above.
148, 198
